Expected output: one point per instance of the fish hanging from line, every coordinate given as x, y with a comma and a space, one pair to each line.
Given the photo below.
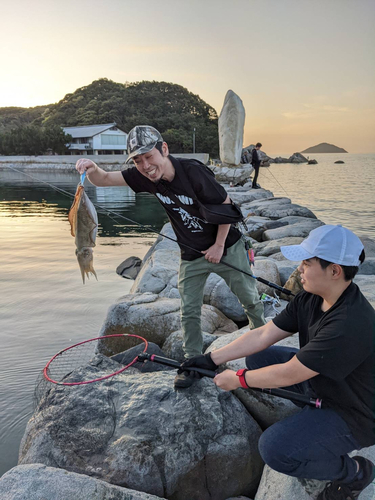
84, 226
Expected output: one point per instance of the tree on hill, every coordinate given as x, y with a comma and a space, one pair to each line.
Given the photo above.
169, 107
12, 117
33, 140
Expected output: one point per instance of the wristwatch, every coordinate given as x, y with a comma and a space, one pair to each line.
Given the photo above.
241, 375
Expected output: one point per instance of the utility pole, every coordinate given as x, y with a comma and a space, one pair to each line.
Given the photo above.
194, 140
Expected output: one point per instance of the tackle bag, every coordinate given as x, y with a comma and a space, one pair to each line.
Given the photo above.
213, 214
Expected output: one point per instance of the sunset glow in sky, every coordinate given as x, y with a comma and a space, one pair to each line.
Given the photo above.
304, 69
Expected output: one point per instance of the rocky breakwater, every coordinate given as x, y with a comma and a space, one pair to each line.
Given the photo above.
140, 439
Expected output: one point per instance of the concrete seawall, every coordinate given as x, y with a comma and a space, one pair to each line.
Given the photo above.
67, 162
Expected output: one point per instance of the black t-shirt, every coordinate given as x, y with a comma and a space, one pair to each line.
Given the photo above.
339, 345
189, 226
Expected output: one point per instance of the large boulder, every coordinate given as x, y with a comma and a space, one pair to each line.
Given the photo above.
249, 196
284, 210
276, 485
297, 158
38, 482
264, 408
154, 318
266, 269
272, 247
218, 294
367, 286
227, 175
160, 266
231, 125
368, 266
195, 444
300, 229
256, 225
172, 347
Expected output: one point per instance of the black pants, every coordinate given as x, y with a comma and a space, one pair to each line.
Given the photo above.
256, 168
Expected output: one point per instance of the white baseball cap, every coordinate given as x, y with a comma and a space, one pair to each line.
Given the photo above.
334, 244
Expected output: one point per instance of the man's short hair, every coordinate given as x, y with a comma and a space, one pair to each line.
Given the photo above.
159, 147
258, 145
349, 271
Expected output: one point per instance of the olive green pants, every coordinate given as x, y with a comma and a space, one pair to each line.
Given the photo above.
192, 278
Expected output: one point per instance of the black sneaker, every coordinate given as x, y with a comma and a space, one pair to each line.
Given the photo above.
185, 379
350, 491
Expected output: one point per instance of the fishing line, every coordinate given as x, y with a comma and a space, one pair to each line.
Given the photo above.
150, 229
282, 187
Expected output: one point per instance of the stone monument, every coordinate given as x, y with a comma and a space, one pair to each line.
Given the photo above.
231, 127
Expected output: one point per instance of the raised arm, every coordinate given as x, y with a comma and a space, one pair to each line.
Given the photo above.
98, 176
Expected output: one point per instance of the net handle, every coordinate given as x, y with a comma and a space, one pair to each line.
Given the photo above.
45, 370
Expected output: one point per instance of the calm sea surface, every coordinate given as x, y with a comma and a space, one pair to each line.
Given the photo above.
44, 306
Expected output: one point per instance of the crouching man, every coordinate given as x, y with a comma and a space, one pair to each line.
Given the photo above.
335, 362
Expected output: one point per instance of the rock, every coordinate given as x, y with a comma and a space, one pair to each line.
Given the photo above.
159, 272
279, 159
38, 482
275, 485
126, 357
231, 125
300, 229
367, 286
267, 202
264, 408
293, 284
280, 486
218, 293
268, 270
297, 158
248, 196
279, 211
312, 162
339, 161
271, 247
172, 347
368, 266
286, 268
194, 444
154, 318
129, 268
369, 245
227, 175
257, 225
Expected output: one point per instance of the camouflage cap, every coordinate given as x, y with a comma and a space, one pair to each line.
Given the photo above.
142, 139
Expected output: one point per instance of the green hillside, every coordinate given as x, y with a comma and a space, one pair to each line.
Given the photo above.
171, 108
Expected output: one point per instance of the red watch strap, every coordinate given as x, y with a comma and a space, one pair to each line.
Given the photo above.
241, 375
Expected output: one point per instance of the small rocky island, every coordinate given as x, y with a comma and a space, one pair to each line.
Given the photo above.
324, 147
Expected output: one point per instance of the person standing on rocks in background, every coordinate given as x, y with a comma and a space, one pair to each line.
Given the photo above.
255, 161
159, 173
335, 362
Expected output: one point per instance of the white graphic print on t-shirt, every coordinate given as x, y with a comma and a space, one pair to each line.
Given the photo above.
191, 222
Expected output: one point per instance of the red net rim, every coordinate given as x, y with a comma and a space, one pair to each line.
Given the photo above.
85, 342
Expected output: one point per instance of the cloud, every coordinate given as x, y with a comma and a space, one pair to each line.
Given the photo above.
313, 110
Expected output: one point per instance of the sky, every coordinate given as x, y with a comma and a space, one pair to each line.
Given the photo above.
304, 69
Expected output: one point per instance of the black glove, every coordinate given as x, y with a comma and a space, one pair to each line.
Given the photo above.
201, 361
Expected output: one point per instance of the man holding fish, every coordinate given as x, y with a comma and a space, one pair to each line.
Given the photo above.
159, 173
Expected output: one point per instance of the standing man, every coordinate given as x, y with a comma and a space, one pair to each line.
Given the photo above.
255, 161
335, 362
157, 172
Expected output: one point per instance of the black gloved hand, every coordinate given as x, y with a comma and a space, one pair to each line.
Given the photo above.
201, 361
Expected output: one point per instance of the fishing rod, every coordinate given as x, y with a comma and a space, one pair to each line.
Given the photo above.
281, 393
281, 289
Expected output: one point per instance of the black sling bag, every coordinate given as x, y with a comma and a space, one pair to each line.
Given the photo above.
213, 214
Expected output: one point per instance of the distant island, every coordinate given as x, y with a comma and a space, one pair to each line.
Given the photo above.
324, 147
